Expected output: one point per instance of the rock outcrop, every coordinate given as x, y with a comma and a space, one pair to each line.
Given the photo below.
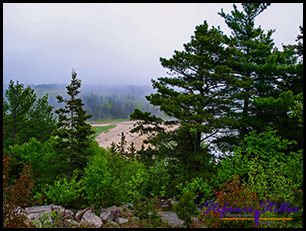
107, 217
111, 214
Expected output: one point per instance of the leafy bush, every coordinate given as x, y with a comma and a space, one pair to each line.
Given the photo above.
186, 208
110, 179
45, 162
269, 183
147, 213
274, 186
137, 184
293, 169
64, 192
197, 184
16, 196
148, 181
159, 179
98, 181
265, 145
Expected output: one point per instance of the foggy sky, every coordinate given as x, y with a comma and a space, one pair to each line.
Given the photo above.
114, 43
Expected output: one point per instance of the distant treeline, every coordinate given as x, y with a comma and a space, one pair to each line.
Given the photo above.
103, 101
115, 106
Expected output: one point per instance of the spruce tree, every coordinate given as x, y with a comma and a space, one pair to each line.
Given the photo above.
132, 151
73, 133
122, 144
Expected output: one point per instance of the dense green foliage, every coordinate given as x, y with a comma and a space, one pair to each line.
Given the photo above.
266, 146
45, 163
109, 179
238, 92
25, 116
264, 74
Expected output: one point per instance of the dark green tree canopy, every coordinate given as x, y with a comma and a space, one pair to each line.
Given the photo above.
213, 84
262, 70
25, 116
269, 80
196, 95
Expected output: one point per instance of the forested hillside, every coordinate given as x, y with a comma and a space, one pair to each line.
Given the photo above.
103, 102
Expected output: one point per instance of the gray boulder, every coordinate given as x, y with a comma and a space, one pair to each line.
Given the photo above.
121, 220
41, 215
92, 218
80, 213
172, 219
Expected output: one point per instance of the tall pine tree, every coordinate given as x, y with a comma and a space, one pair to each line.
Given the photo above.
267, 76
73, 133
197, 96
253, 63
275, 109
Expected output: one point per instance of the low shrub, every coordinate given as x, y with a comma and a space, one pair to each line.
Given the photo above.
269, 183
63, 192
16, 196
266, 146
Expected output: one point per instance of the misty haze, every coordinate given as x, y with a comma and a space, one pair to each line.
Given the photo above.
142, 115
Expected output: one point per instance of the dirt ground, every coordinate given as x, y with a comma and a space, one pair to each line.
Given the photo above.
114, 135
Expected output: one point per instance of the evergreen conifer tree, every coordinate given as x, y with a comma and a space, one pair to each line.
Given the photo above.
197, 95
122, 144
264, 74
251, 63
25, 116
73, 133
132, 151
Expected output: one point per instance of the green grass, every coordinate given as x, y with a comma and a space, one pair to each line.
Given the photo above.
98, 130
